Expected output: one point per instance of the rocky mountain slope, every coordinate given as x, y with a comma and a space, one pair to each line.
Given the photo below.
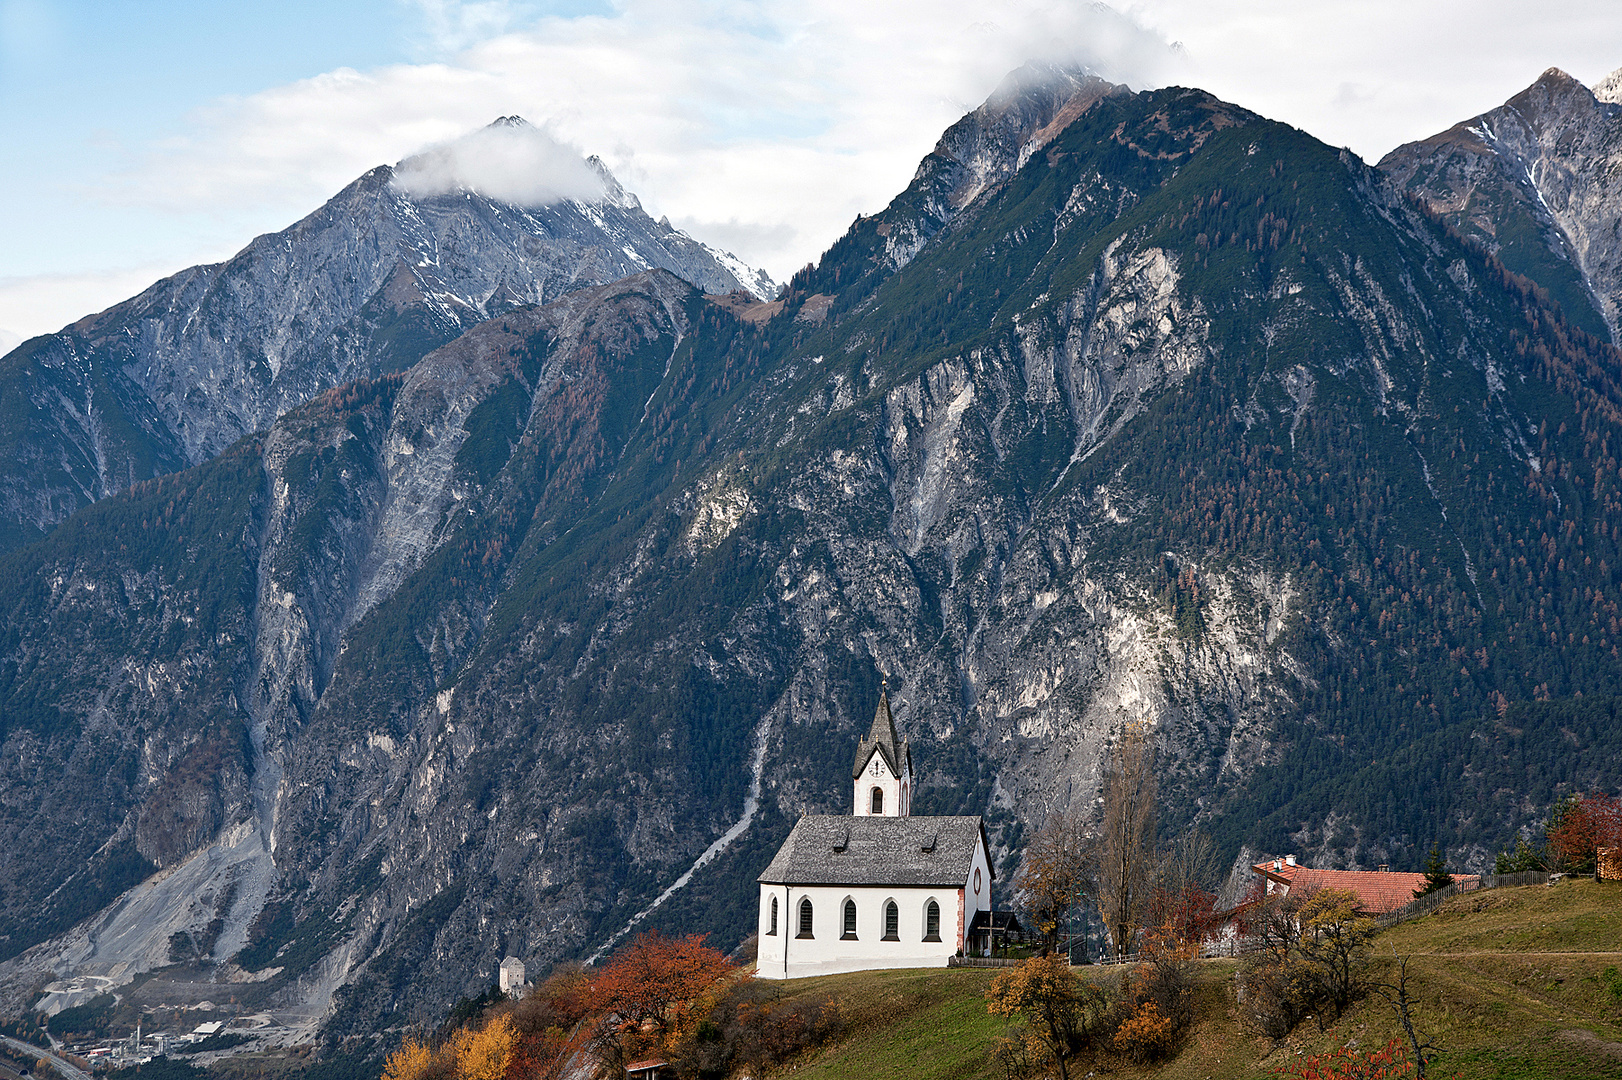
366, 285
1537, 181
1131, 407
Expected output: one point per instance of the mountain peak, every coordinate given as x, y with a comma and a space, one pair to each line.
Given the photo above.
613, 191
1032, 104
1609, 89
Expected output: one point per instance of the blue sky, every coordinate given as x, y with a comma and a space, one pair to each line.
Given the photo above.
143, 137
85, 85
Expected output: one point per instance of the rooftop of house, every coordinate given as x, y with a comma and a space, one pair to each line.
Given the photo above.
1378, 891
832, 849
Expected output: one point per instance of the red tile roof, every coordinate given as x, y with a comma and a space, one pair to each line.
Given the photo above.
1378, 891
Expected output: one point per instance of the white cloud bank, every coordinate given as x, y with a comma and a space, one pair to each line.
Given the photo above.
764, 126
510, 160
45, 303
761, 126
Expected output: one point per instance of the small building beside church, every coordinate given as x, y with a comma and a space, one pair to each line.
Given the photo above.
878, 888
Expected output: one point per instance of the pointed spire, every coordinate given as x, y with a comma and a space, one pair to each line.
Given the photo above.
883, 735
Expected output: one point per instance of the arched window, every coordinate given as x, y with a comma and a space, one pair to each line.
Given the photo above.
805, 917
932, 921
878, 802
892, 921
850, 921
772, 926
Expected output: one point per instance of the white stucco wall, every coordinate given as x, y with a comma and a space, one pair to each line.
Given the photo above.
785, 955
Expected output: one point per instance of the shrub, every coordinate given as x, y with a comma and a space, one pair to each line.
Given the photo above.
1146, 1034
747, 1027
1387, 1063
1166, 978
1274, 995
1018, 1054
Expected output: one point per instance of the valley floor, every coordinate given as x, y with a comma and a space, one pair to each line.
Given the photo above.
1514, 983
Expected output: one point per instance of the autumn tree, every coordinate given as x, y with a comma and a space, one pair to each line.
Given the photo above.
485, 1053
1126, 843
414, 1060
1053, 874
1311, 953
548, 1020
1579, 825
1335, 935
1061, 1013
650, 990
1186, 914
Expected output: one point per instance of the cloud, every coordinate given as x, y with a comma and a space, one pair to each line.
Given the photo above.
45, 303
782, 119
1373, 74
450, 26
509, 160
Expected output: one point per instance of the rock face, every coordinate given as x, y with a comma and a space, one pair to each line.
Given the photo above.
1032, 105
1178, 416
364, 286
1538, 181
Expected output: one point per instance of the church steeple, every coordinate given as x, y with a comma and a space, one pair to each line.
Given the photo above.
882, 773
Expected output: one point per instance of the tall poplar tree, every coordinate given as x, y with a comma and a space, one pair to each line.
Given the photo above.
1126, 844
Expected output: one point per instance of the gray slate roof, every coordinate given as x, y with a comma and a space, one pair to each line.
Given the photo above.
883, 735
831, 849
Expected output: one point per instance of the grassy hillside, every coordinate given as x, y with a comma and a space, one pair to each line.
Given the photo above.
1517, 983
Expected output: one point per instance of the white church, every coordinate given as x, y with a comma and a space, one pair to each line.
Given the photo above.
877, 889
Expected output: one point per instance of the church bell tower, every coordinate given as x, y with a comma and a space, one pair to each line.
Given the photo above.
882, 775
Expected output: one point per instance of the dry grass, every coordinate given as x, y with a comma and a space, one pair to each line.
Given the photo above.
1512, 984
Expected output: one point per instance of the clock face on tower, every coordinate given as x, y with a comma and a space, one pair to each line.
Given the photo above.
875, 769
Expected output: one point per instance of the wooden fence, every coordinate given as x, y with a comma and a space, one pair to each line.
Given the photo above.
1428, 903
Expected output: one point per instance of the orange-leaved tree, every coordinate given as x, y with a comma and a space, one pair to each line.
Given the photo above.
1187, 913
549, 1021
648, 993
412, 1061
1061, 1012
485, 1053
1582, 824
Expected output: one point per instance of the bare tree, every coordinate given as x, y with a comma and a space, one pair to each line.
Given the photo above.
1126, 844
1052, 874
1191, 861
1404, 1001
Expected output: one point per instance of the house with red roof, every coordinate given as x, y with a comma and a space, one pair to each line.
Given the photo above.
1378, 891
